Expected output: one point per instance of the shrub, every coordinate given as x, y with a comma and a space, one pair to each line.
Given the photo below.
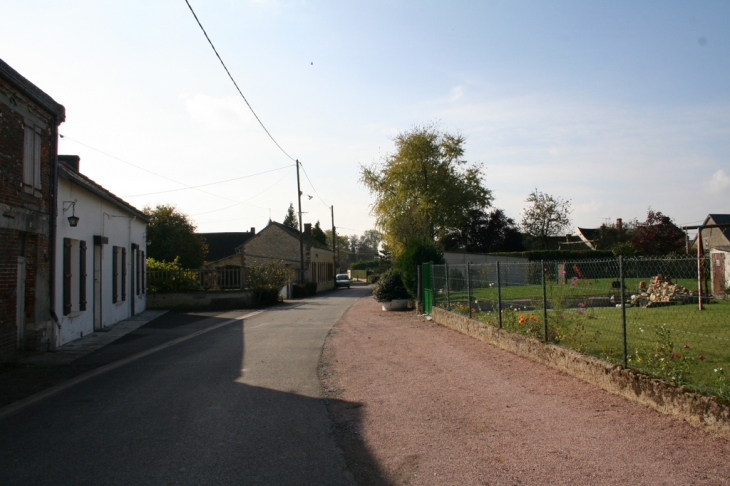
268, 276
417, 252
390, 287
373, 279
170, 277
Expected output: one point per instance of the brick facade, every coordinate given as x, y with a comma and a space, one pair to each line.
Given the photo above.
25, 213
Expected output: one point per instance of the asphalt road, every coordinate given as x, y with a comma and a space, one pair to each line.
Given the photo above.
219, 400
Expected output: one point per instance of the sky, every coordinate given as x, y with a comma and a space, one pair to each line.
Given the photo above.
616, 106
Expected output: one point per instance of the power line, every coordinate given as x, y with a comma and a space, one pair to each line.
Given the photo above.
310, 183
210, 183
234, 82
244, 201
165, 177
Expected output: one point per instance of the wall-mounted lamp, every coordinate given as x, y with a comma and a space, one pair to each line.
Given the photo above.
73, 220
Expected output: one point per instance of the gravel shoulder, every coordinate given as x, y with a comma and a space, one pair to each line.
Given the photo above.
414, 403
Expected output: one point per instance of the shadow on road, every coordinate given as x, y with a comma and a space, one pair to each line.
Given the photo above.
182, 416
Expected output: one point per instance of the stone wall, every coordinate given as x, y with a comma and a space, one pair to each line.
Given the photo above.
705, 412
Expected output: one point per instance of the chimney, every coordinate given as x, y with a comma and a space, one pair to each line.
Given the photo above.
619, 223
70, 161
253, 230
308, 229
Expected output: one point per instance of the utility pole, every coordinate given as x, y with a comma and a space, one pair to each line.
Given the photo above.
301, 241
334, 241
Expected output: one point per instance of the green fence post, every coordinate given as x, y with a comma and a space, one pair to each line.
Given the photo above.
448, 297
468, 286
499, 297
623, 311
544, 298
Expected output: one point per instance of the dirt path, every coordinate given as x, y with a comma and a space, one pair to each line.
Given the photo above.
420, 404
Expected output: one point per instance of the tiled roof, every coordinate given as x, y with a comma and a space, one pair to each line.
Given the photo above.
91, 186
222, 245
32, 91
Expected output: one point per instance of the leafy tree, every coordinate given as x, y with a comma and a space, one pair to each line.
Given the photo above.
417, 251
318, 234
658, 235
546, 216
290, 219
368, 244
172, 234
424, 189
616, 238
485, 232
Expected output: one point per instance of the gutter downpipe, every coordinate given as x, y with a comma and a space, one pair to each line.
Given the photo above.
52, 236
132, 294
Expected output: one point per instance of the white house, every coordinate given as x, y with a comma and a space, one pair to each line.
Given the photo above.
99, 272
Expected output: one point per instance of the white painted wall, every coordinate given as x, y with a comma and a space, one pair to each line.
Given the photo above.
97, 217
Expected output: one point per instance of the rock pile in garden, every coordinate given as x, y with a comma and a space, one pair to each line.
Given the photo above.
661, 290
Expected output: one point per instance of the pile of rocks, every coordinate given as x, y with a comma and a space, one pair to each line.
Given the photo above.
661, 290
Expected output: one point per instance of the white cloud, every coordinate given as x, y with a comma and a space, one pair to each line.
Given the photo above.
719, 182
227, 113
457, 92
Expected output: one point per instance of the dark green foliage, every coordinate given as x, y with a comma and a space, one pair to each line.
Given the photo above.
172, 235
457, 281
304, 290
390, 287
560, 255
290, 219
365, 265
485, 232
373, 279
318, 234
417, 251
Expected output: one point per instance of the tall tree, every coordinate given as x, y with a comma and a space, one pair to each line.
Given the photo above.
485, 232
546, 216
172, 234
290, 219
424, 189
658, 235
318, 234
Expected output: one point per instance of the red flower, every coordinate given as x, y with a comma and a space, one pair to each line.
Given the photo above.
702, 357
686, 346
676, 355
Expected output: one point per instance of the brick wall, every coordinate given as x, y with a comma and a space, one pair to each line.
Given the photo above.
24, 224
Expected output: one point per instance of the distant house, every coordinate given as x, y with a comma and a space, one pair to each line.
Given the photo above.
279, 243
716, 241
100, 249
29, 121
224, 249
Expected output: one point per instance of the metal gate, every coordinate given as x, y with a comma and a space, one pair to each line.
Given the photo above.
427, 285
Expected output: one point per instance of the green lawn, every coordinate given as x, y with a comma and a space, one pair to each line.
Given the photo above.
700, 338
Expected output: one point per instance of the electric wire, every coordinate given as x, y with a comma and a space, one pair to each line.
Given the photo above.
313, 188
245, 200
211, 183
234, 81
65, 137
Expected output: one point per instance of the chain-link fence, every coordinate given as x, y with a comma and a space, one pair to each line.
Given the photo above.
655, 315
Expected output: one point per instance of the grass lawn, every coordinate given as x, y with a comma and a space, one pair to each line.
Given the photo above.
683, 330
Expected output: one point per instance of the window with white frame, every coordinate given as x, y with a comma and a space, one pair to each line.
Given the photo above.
32, 159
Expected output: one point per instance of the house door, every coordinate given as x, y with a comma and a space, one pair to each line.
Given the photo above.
20, 302
718, 274
97, 287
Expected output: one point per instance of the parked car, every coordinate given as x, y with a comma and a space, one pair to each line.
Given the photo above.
342, 280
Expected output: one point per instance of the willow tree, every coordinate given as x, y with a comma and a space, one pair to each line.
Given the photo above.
425, 189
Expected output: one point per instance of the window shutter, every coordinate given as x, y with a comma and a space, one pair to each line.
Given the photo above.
144, 264
37, 161
115, 274
28, 156
67, 276
82, 275
138, 269
124, 274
